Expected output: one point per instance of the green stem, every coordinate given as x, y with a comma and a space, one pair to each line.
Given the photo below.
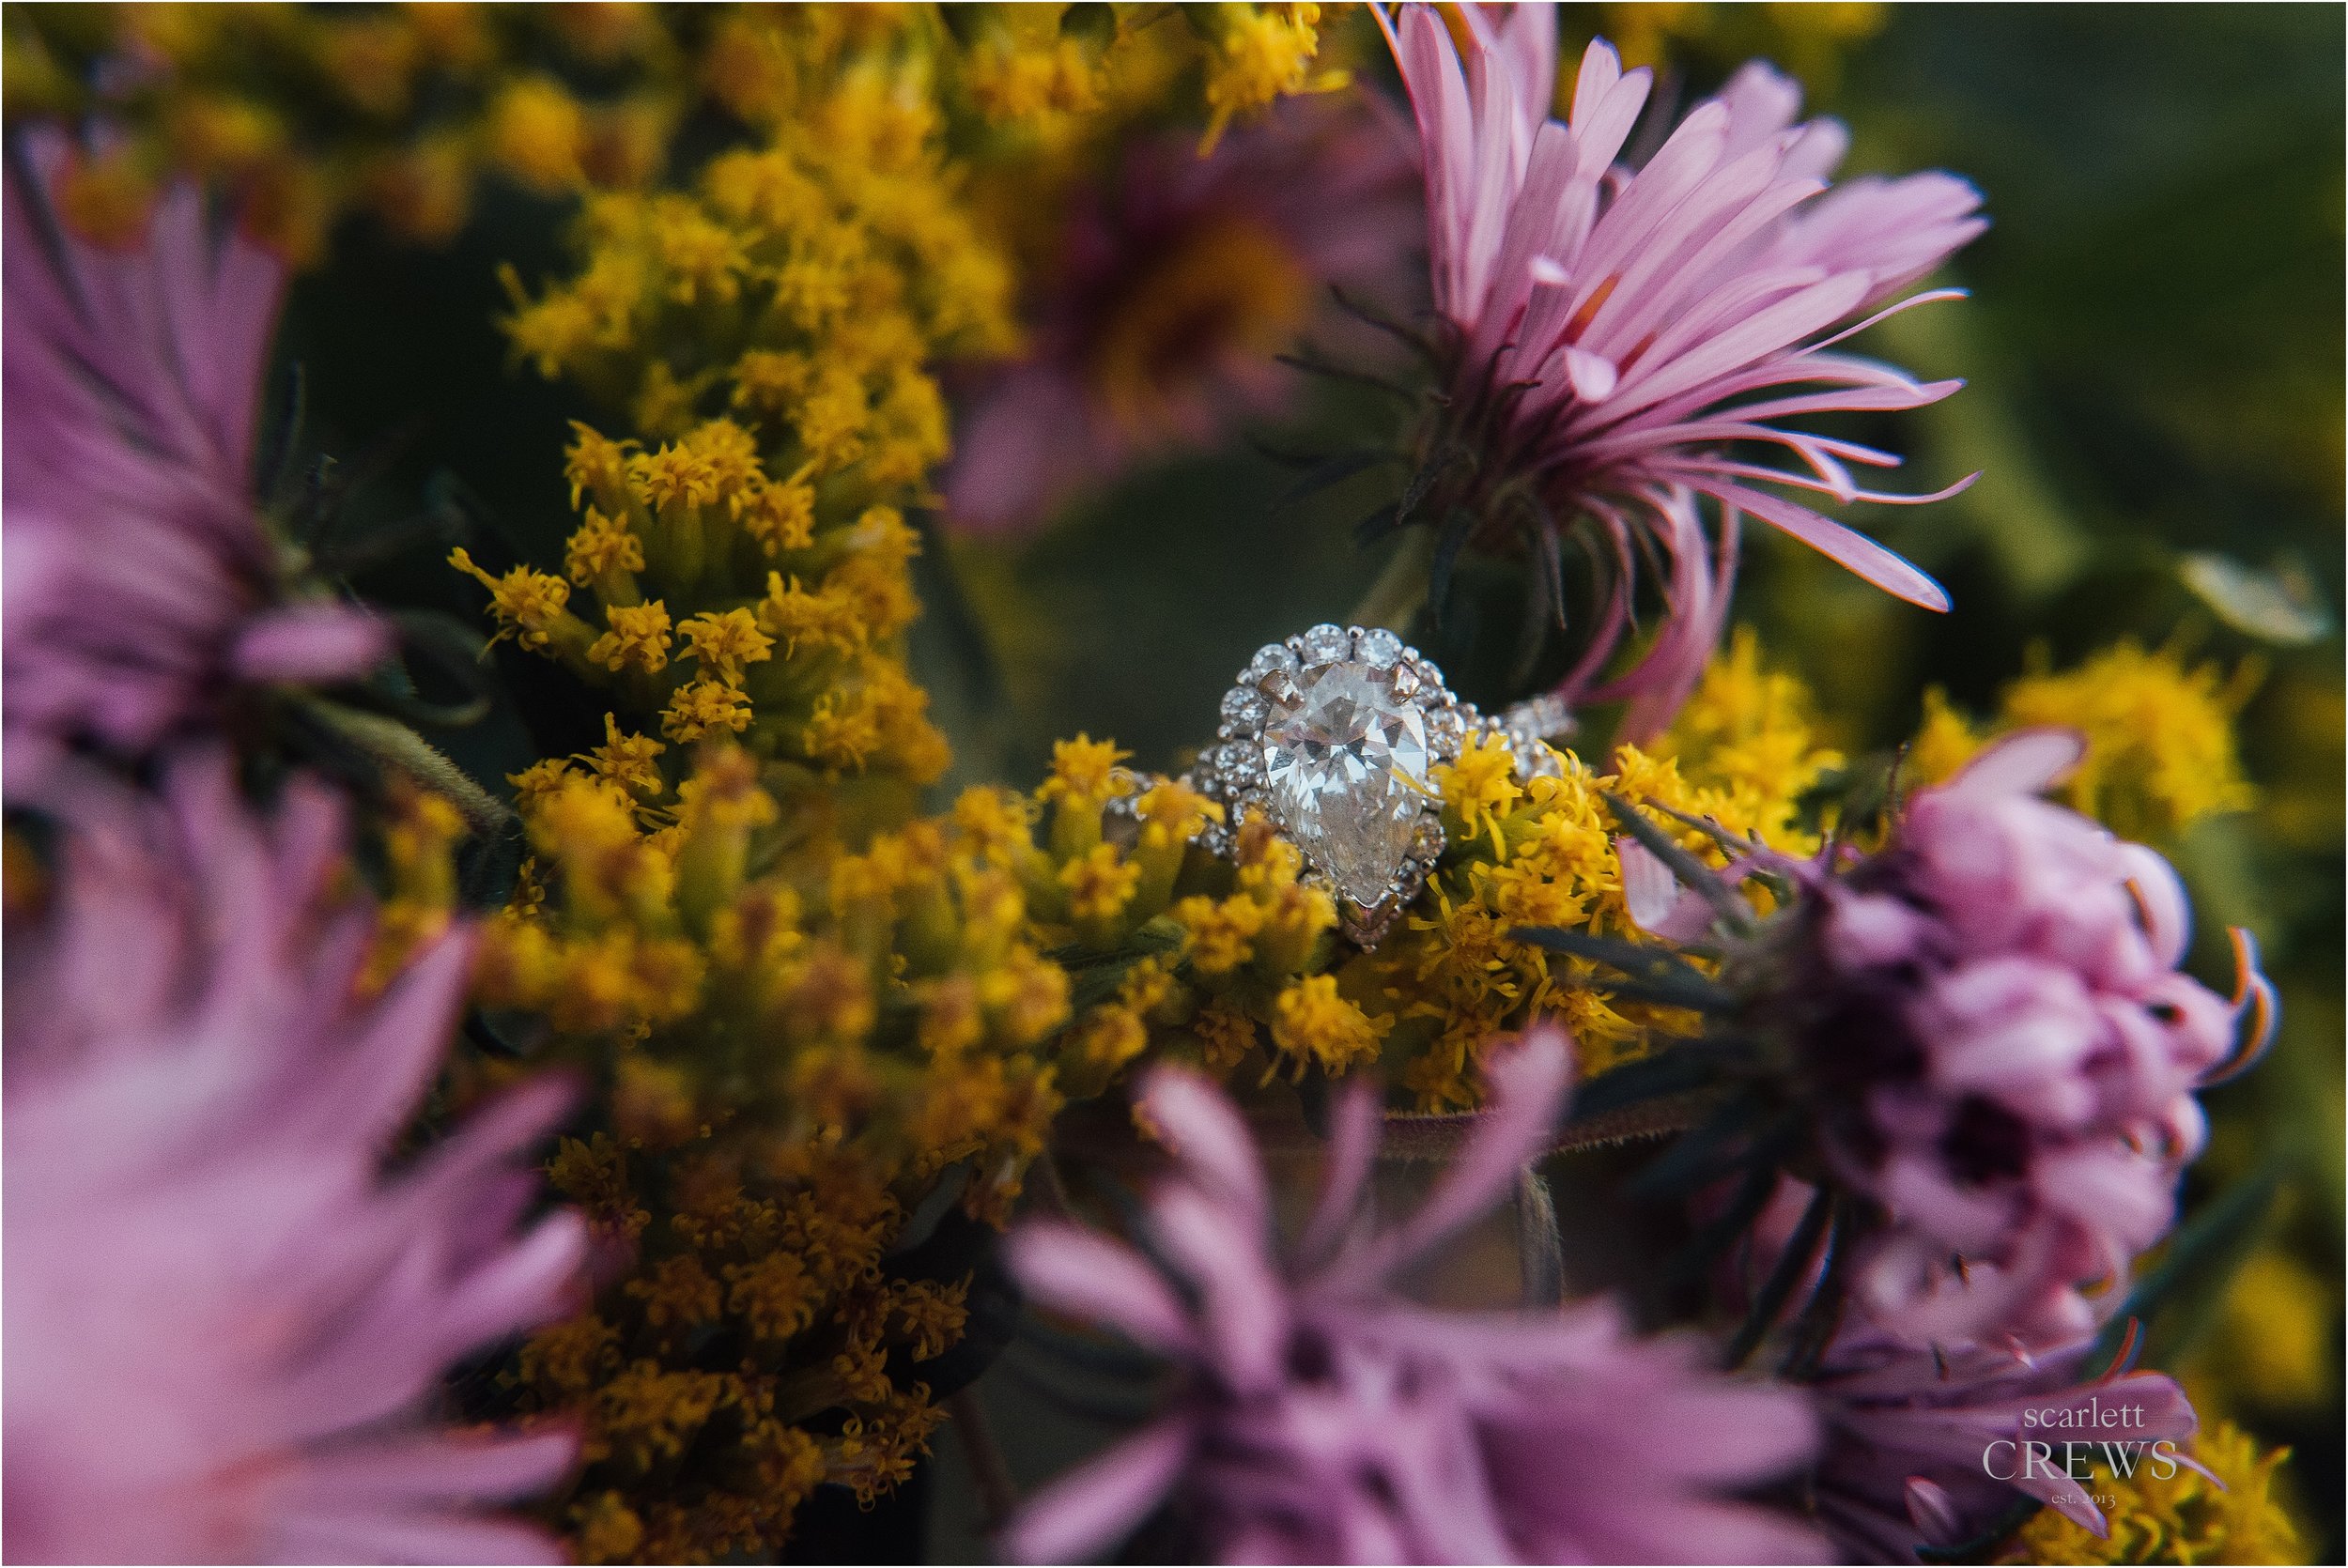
1400, 589
392, 744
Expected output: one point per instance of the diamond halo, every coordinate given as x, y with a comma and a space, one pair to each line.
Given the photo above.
1331, 736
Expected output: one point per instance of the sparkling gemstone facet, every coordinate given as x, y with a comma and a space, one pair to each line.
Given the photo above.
1268, 658
1325, 644
1335, 761
1378, 647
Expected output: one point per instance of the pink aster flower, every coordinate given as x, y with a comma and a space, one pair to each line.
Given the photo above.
228, 1320
2005, 1053
1324, 1419
1626, 343
1172, 289
1928, 1447
1932, 1450
143, 587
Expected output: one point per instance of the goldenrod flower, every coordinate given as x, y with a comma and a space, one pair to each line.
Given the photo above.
601, 550
1260, 54
537, 131
2160, 745
528, 605
725, 643
1314, 1026
705, 707
2230, 1514
639, 638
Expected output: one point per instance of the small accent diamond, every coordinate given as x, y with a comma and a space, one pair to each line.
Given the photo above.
1242, 708
1272, 657
1377, 648
1324, 644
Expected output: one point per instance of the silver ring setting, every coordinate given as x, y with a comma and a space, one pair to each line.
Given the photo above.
1332, 736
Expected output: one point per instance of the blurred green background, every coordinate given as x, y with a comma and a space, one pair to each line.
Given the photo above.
2154, 352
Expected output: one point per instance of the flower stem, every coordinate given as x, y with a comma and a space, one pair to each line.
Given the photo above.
1394, 598
392, 744
999, 1492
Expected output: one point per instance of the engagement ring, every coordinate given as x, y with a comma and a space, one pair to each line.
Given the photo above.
1331, 737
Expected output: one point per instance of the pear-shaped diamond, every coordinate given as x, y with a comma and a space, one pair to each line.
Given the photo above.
1344, 770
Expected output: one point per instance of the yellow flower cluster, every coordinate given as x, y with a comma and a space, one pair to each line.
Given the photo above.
2232, 1514
1544, 853
1174, 951
794, 1041
418, 837
1258, 55
767, 338
1750, 733
306, 113
800, 1002
791, 1044
1027, 65
2160, 743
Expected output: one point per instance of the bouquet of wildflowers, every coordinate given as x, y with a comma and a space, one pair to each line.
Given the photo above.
580, 986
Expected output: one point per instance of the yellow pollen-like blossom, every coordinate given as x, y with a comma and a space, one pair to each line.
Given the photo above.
1479, 788
672, 476
725, 644
639, 638
538, 132
1260, 54
528, 605
596, 468
2230, 1514
1098, 885
1220, 935
627, 760
1312, 1024
781, 515
1225, 1037
600, 547
2162, 749
705, 707
2160, 745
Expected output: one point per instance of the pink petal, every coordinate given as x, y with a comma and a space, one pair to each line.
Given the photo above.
1243, 1315
1893, 574
1208, 1137
338, 1535
2167, 914
448, 1465
1091, 1506
1593, 377
1072, 1271
1353, 1146
1930, 1508
1658, 905
311, 642
2026, 762
1529, 1084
